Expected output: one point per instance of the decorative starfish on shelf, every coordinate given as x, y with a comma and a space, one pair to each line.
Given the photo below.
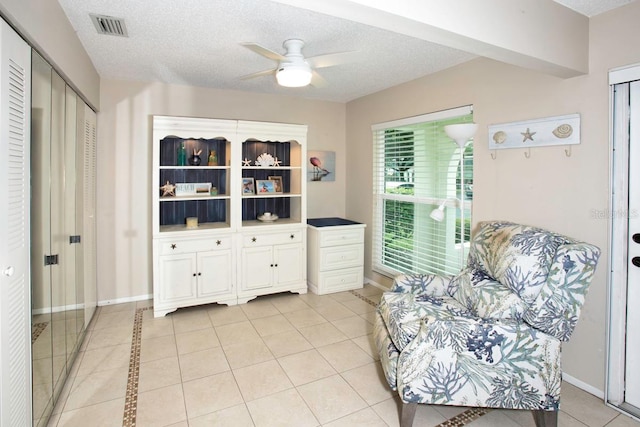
527, 135
168, 189
276, 162
246, 162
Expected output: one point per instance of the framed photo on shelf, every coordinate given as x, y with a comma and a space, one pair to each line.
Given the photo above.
277, 184
265, 186
248, 187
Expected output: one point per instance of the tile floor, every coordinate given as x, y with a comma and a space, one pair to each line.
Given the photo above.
280, 360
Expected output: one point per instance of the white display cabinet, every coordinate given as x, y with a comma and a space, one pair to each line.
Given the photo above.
204, 215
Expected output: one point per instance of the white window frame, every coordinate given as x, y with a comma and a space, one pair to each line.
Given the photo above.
424, 203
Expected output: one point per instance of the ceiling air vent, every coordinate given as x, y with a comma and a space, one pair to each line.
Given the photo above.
109, 25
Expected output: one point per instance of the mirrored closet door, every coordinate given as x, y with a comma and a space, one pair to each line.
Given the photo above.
57, 245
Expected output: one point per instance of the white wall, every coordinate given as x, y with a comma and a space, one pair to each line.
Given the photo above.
124, 165
565, 194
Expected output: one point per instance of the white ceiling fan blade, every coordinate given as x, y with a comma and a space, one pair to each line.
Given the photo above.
258, 74
317, 80
331, 59
267, 53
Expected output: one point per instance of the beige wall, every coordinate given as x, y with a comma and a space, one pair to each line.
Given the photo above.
45, 26
565, 194
124, 165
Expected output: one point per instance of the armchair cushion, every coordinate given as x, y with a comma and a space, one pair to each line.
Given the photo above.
488, 298
516, 255
404, 313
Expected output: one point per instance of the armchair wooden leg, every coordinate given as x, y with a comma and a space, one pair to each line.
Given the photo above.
408, 413
545, 418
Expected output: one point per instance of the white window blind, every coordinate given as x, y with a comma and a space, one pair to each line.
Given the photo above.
416, 168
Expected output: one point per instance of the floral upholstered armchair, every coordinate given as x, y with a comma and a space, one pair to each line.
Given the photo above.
491, 335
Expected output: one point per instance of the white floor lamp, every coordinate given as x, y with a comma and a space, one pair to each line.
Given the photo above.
460, 133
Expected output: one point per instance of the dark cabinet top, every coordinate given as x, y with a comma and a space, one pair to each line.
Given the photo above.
329, 222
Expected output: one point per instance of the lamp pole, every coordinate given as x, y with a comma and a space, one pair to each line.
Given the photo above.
461, 133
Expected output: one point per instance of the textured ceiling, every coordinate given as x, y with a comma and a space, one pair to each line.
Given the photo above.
593, 7
197, 43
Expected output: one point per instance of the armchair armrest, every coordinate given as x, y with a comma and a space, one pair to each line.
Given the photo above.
557, 307
424, 284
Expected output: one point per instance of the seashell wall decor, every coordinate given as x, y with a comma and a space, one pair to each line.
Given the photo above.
563, 131
548, 131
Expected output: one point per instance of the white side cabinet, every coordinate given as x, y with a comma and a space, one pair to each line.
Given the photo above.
193, 271
335, 260
272, 262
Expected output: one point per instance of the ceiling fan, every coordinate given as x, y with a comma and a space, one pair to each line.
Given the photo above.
294, 70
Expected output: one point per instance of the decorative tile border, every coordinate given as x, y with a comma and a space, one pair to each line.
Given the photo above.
459, 420
365, 299
37, 329
465, 417
131, 398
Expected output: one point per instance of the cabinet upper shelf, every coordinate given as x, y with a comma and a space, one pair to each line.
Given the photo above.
194, 167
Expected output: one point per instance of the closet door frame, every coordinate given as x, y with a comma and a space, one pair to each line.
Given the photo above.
15, 289
617, 382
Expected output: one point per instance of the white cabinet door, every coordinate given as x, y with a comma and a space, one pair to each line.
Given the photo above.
15, 313
214, 273
288, 264
257, 267
177, 277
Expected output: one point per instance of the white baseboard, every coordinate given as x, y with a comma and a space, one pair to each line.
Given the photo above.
125, 300
368, 281
57, 309
583, 386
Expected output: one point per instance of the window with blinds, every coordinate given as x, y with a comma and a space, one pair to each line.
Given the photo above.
418, 168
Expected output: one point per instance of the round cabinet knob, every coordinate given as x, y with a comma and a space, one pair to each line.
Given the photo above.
636, 237
9, 271
636, 261
292, 236
253, 239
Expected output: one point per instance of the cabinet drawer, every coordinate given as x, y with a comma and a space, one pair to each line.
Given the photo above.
268, 239
340, 280
169, 247
341, 237
332, 258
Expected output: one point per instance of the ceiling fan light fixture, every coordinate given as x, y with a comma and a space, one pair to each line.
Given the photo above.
293, 75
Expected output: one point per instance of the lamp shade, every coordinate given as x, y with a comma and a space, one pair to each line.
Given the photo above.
438, 214
461, 132
294, 74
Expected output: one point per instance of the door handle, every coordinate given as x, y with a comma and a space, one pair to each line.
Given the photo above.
636, 261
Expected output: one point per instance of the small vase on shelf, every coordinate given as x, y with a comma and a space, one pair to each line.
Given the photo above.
182, 155
213, 158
